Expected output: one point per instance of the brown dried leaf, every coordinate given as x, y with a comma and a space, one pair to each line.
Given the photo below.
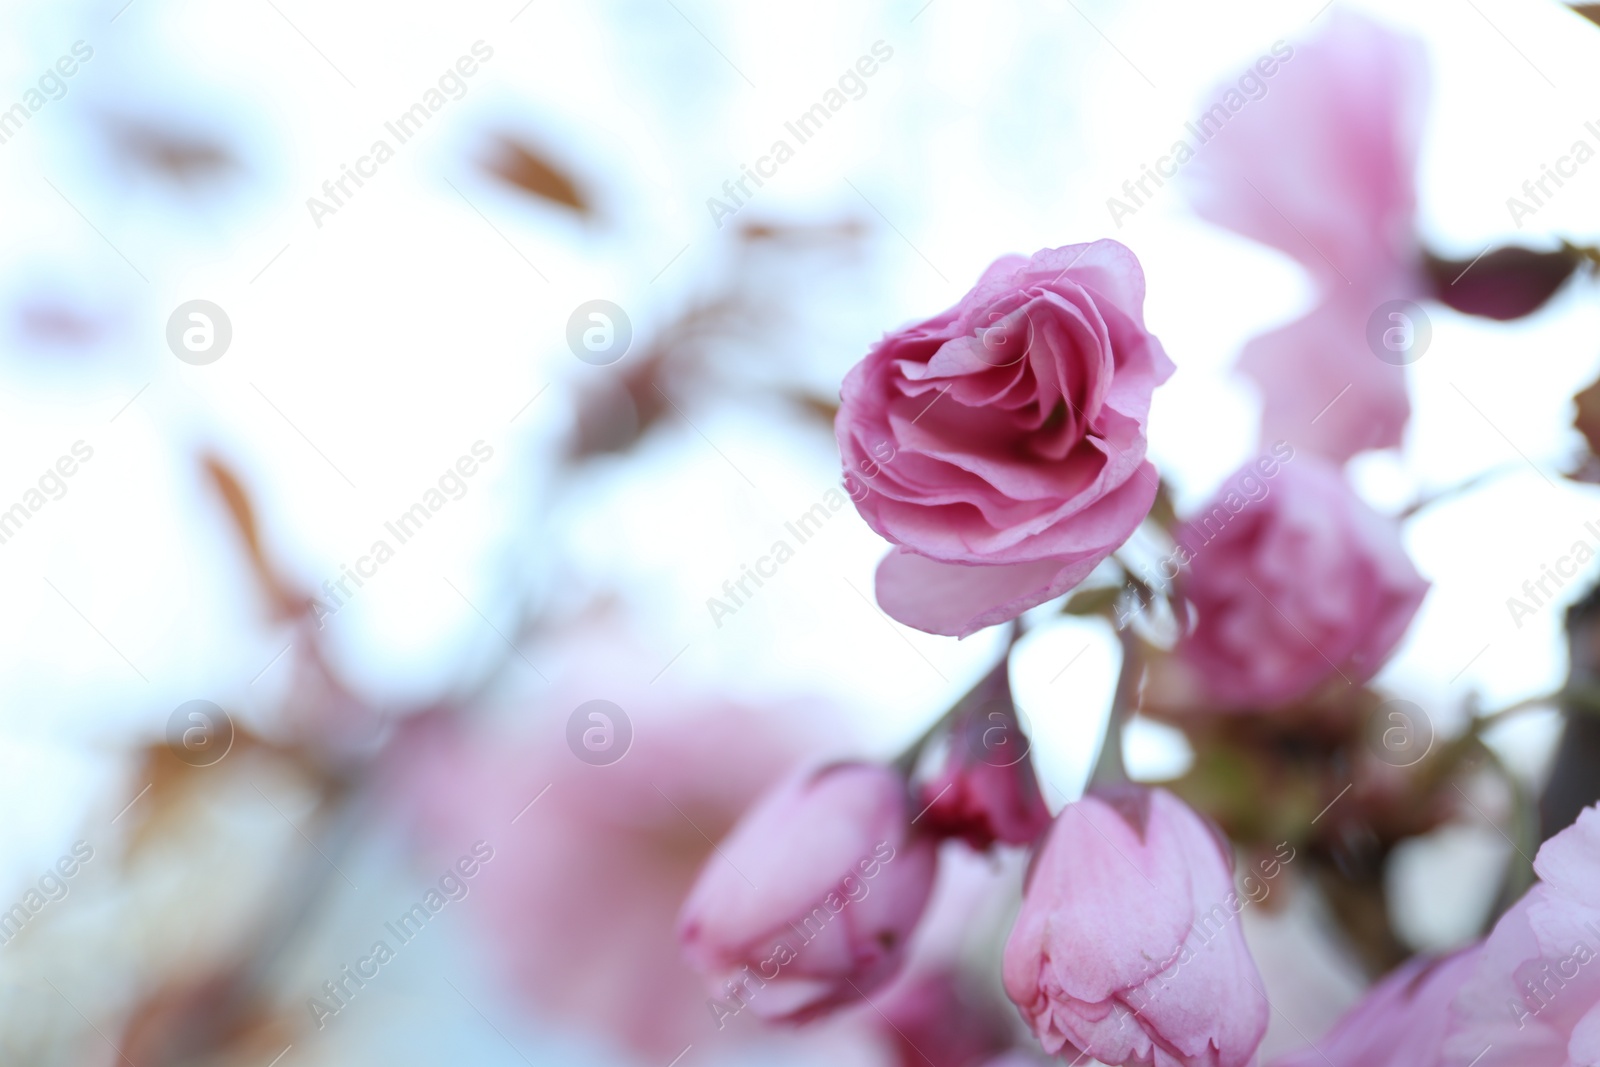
842, 231
165, 787
628, 399
1587, 420
820, 408
286, 601
1505, 284
520, 165
179, 156
212, 1018
615, 413
1587, 470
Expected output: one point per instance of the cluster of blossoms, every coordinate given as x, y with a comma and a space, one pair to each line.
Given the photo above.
1018, 419
811, 901
1124, 947
1019, 423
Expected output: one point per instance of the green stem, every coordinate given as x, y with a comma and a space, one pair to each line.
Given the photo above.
906, 761
1491, 719
1450, 492
1108, 767
1588, 252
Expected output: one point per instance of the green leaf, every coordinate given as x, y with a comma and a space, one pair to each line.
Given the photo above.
1093, 601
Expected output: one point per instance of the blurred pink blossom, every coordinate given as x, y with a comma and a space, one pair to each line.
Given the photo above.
933, 1020
592, 863
1292, 587
809, 903
947, 1006
1322, 168
1324, 390
1016, 423
1128, 948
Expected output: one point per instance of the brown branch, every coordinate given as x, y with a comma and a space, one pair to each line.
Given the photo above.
1574, 782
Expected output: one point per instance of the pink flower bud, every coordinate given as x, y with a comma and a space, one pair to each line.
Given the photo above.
809, 902
935, 1018
985, 790
1128, 947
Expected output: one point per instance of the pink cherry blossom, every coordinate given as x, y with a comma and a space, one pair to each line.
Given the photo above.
1325, 391
1016, 423
1323, 168
1294, 581
935, 1018
810, 901
1128, 948
591, 864
1533, 1000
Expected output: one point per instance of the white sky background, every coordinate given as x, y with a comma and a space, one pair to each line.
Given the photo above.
406, 328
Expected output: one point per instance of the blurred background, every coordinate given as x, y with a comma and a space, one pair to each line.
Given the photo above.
415, 335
